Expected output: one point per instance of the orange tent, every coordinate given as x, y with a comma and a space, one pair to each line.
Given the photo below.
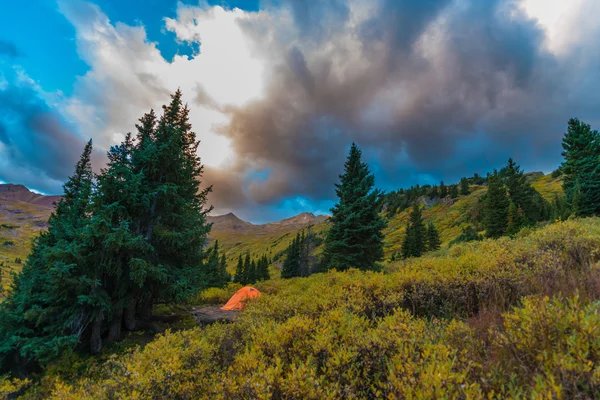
238, 300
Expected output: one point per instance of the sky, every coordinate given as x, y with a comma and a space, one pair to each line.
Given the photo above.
279, 89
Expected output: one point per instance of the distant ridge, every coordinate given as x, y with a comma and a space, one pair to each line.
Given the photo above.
301, 219
231, 221
13, 193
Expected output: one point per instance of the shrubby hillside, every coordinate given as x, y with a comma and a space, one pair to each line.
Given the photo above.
496, 318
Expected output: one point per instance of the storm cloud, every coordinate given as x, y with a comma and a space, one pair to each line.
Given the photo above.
439, 87
430, 90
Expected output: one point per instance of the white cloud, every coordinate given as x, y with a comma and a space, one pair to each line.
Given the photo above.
128, 75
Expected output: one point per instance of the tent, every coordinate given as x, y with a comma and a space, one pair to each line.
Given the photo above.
238, 300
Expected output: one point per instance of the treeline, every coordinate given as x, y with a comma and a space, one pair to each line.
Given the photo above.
216, 267
250, 271
298, 260
355, 239
117, 244
512, 204
401, 199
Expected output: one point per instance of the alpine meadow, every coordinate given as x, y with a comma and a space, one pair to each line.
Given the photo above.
344, 199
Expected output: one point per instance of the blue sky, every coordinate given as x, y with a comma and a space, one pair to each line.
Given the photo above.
279, 89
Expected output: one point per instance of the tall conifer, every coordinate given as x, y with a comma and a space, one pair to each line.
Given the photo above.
355, 238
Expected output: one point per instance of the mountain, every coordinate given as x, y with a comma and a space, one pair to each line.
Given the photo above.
300, 220
19, 193
23, 215
229, 221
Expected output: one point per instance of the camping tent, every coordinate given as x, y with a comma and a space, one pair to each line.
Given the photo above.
238, 300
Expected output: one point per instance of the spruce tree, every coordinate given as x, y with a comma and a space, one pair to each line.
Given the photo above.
291, 263
407, 249
174, 223
580, 167
224, 275
43, 314
239, 271
464, 186
454, 191
248, 273
496, 207
415, 241
433, 238
516, 219
523, 194
355, 238
443, 190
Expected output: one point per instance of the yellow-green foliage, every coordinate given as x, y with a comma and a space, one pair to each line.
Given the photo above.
548, 186
454, 326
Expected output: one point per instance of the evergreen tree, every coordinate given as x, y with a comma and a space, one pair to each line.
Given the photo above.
248, 272
263, 268
415, 240
516, 219
355, 238
523, 194
443, 190
577, 205
496, 207
434, 192
433, 238
291, 263
560, 208
580, 167
43, 313
464, 186
252, 272
454, 191
239, 271
225, 276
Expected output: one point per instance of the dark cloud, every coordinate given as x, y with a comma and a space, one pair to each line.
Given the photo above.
435, 88
38, 148
9, 49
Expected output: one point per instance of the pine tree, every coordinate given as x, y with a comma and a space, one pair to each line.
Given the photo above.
577, 201
453, 191
443, 190
516, 219
415, 241
174, 208
248, 273
434, 192
496, 207
263, 268
355, 238
523, 194
224, 275
581, 152
239, 271
464, 186
291, 263
42, 315
433, 238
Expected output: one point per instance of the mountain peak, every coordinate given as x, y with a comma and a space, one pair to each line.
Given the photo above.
304, 218
16, 192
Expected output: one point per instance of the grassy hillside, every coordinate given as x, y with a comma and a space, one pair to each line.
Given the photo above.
238, 237
20, 222
501, 318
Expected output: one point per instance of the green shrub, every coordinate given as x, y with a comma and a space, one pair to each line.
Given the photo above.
418, 331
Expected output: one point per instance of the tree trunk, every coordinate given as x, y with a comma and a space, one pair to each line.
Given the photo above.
129, 315
114, 330
96, 335
145, 310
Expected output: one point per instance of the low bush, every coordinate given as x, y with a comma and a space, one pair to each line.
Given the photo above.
508, 318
